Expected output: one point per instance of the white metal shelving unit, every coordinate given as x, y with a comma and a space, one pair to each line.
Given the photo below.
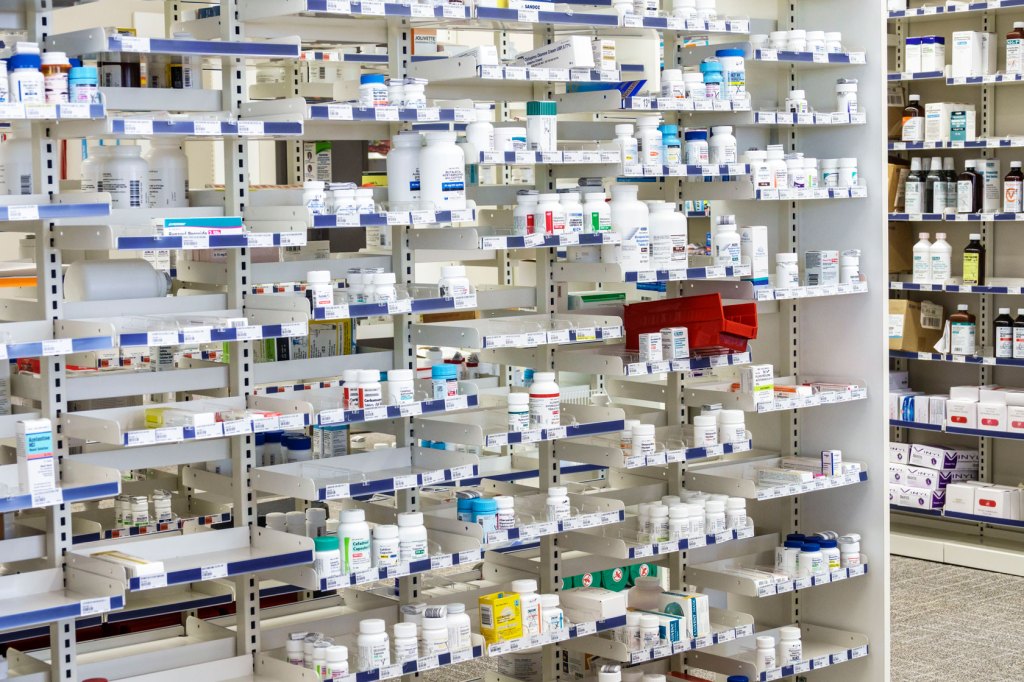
964, 540
518, 316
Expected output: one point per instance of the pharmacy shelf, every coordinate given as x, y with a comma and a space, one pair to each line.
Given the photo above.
995, 286
367, 8
992, 79
468, 70
787, 57
726, 626
569, 633
625, 542
822, 647
738, 479
960, 516
811, 194
522, 331
360, 474
614, 272
31, 207
815, 119
617, 361
39, 597
706, 394
490, 239
36, 339
610, 513
916, 510
919, 76
176, 599
611, 20
489, 427
121, 238
16, 111
415, 667
125, 426
958, 217
960, 359
323, 405
718, 575
749, 291
355, 113
709, 173
956, 430
671, 448
196, 557
953, 11
917, 426
80, 482
130, 332
95, 40
983, 143
178, 125
172, 526
611, 100
393, 218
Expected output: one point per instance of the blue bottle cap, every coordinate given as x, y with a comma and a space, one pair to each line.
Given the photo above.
298, 443
828, 544
811, 547
84, 73
24, 61
273, 436
444, 371
371, 78
696, 135
729, 52
260, 438
795, 544
737, 678
484, 505
710, 66
669, 129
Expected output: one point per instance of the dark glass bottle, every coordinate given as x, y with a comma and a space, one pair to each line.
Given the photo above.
1018, 335
974, 261
969, 189
934, 188
1003, 338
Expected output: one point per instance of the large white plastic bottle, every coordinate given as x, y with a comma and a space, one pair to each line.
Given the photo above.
668, 237
168, 174
922, 272
108, 280
442, 173
631, 220
941, 259
403, 166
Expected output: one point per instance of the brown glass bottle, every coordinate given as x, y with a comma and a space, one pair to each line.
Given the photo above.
913, 120
974, 261
969, 188
1015, 48
962, 331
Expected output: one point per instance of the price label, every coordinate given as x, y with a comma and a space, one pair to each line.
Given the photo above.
406, 481
497, 440
443, 561
820, 662
632, 21
250, 127
462, 472
643, 551
459, 402
662, 651
372, 7
375, 413
133, 438
515, 73
162, 338
841, 656
725, 636
38, 111
801, 667
92, 607
465, 302
694, 543
386, 113
169, 434
292, 421
209, 431
135, 126
206, 128
401, 307
9, 110
857, 58
768, 55
859, 652
411, 409
23, 212
337, 491
56, 346
213, 572
775, 674
422, 11
855, 571
428, 663
584, 629
468, 556
556, 433
48, 498
529, 16
193, 335
237, 427
134, 44
462, 656
152, 582
450, 11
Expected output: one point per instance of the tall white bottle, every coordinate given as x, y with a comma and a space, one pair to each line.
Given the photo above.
668, 236
631, 220
941, 259
922, 273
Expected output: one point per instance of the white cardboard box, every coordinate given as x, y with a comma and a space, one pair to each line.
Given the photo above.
943, 458
998, 501
586, 604
918, 498
960, 496
925, 478
974, 53
962, 414
899, 453
570, 52
938, 118
991, 417
1015, 419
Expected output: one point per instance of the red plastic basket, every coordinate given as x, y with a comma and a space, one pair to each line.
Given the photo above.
708, 322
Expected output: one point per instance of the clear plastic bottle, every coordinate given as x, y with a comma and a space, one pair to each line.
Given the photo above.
940, 255
922, 268
168, 173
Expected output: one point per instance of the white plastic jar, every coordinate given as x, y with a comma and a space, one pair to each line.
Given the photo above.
125, 176
92, 167
597, 214
509, 139
696, 148
731, 426
480, 133
714, 517
523, 214
505, 517
764, 656
846, 96
727, 243
810, 172
363, 197
573, 211
337, 662
630, 218
529, 605
354, 541
459, 633
168, 173
658, 523
552, 619
371, 393
668, 237
627, 144
812, 561
678, 521
797, 175
518, 412
313, 196
759, 172
104, 280
454, 281
643, 441
545, 401
777, 168
735, 513
403, 169
442, 173
833, 557
693, 81
401, 387
549, 217
557, 504
412, 537
797, 40
705, 431
833, 42
849, 553
396, 92
684, 9
327, 557
722, 148
816, 42
373, 644
386, 549
706, 10
790, 647
649, 631
542, 126
796, 102
848, 172
406, 642
27, 82
829, 172
649, 140
787, 271
778, 40
672, 85
55, 83
373, 92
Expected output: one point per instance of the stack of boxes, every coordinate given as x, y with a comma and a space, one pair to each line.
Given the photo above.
984, 499
920, 475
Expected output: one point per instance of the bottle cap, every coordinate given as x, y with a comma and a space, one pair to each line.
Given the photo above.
325, 543
372, 626
524, 586
624, 129
456, 607
962, 307
353, 516
1004, 311
371, 78
558, 491
542, 108
975, 237
811, 547
386, 531
765, 642
405, 630
410, 519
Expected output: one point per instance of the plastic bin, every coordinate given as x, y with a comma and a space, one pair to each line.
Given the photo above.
710, 324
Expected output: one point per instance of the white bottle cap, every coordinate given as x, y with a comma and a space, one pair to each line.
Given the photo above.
400, 375
524, 586
518, 399
353, 516
798, 94
410, 519
405, 630
385, 531
368, 376
543, 377
549, 600
624, 129
372, 626
789, 632
765, 642
1004, 311
558, 491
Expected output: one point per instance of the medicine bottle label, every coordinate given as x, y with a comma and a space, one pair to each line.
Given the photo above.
406, 650
964, 196
1012, 196
1018, 343
519, 421
972, 265
962, 336
371, 396
597, 224
373, 656
386, 552
913, 129
1014, 52
413, 550
544, 410
357, 553
1004, 342
574, 221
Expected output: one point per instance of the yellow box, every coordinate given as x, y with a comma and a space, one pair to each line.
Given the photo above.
500, 617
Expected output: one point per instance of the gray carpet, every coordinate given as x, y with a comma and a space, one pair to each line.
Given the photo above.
950, 622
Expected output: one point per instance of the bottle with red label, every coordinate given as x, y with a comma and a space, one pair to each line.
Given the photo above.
1003, 334
549, 216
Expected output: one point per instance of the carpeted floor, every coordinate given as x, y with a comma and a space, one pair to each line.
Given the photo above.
950, 623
